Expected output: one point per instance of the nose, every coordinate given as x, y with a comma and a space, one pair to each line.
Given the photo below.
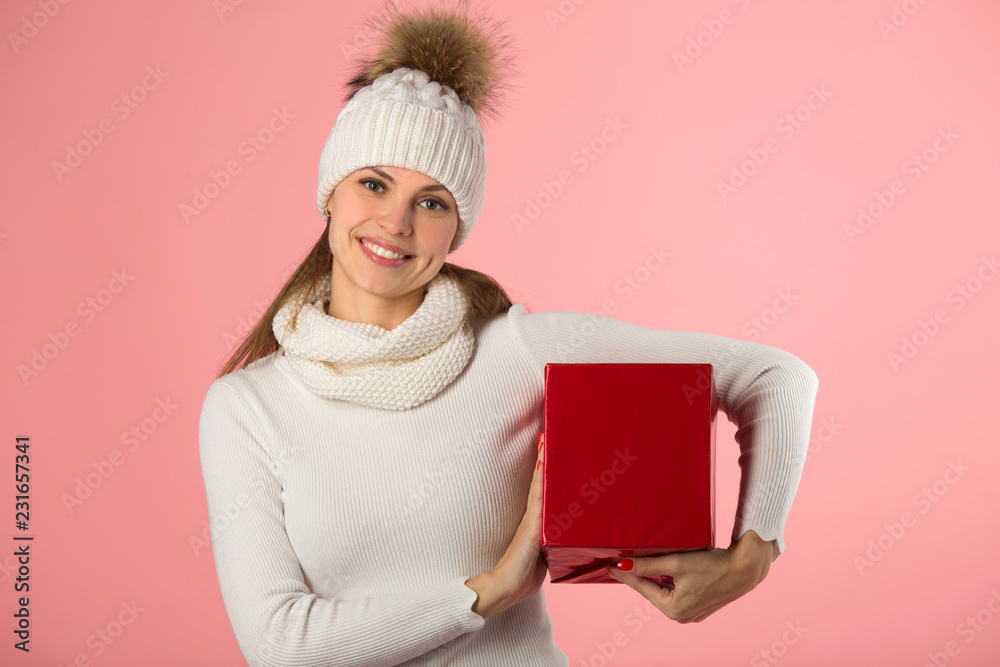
395, 217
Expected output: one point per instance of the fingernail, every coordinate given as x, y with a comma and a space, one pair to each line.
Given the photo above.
624, 565
538, 465
541, 442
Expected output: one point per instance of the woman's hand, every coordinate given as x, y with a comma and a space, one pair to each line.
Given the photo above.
521, 571
704, 581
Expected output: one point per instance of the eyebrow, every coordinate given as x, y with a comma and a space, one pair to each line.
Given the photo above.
393, 181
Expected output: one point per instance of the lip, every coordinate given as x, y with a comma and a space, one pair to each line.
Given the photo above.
379, 259
388, 246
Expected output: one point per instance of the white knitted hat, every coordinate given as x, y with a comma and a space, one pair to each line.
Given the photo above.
415, 106
406, 120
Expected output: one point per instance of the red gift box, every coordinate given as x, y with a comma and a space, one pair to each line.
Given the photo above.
629, 465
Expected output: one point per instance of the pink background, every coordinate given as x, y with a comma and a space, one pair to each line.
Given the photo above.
891, 430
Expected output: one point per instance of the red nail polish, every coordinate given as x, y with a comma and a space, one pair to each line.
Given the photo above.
624, 565
538, 465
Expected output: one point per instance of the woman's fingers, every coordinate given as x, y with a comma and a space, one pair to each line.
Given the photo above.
521, 569
535, 493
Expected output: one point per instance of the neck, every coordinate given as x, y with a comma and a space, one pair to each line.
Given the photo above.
357, 305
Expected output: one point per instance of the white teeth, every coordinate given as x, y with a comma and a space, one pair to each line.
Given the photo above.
379, 250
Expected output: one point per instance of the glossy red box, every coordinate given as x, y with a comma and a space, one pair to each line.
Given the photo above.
629, 465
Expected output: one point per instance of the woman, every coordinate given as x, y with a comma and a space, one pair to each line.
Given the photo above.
371, 468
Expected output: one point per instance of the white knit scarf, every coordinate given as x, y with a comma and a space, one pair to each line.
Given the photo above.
373, 366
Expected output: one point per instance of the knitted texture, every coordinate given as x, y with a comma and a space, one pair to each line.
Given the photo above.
356, 529
367, 364
406, 120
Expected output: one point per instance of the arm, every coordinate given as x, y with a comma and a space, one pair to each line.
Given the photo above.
768, 393
277, 620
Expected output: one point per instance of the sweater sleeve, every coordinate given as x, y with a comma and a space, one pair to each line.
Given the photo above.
768, 393
277, 620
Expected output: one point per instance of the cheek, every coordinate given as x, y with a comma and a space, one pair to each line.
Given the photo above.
350, 208
345, 218
445, 237
339, 239
448, 233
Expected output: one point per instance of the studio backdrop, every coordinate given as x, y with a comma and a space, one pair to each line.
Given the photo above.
819, 177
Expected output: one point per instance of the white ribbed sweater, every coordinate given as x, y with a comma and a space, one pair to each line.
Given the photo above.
343, 534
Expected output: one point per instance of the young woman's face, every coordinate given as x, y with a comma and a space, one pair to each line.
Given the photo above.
407, 210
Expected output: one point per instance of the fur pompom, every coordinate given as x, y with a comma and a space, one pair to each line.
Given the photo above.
469, 54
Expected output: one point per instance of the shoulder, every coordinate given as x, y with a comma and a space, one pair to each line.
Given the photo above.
235, 412
244, 385
543, 336
555, 324
519, 319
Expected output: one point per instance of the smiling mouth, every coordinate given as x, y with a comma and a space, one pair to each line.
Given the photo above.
375, 249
